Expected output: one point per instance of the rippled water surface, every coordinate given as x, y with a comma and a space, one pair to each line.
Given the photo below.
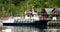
31, 28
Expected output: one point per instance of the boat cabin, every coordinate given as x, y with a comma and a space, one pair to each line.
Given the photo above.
31, 14
56, 12
43, 15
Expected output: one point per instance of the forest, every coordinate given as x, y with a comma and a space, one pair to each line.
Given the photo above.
17, 7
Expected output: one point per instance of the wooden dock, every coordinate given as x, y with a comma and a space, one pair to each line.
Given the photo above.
53, 23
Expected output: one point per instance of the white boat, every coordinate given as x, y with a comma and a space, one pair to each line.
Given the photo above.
30, 18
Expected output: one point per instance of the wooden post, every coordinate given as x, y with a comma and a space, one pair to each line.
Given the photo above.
0, 25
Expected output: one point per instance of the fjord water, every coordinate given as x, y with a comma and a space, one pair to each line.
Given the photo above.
29, 28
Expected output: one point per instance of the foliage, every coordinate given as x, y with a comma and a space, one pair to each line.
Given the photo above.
13, 7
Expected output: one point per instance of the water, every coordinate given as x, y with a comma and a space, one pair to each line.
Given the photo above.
31, 28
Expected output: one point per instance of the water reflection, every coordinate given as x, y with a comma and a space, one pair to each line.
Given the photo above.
53, 27
31, 28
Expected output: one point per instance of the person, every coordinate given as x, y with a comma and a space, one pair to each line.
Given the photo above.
43, 18
0, 30
1, 23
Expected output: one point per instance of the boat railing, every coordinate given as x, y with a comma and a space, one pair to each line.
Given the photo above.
24, 20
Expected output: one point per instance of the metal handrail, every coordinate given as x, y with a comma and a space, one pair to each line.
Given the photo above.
24, 20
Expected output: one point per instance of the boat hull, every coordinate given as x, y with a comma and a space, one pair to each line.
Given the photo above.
41, 22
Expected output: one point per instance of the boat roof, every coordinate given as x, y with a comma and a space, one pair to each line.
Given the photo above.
49, 10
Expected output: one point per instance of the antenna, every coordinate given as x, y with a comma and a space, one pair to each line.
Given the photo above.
32, 8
